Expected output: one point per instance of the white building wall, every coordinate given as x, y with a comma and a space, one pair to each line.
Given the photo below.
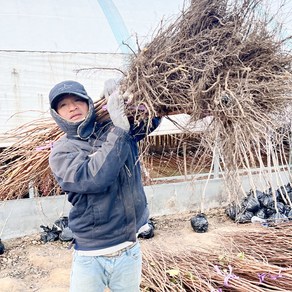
27, 77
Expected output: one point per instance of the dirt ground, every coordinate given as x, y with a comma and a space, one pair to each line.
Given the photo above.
28, 264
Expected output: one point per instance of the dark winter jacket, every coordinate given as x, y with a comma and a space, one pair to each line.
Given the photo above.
102, 177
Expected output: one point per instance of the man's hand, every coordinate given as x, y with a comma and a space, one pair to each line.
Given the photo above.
116, 110
109, 87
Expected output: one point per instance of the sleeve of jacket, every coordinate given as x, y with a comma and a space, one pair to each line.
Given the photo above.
76, 171
144, 128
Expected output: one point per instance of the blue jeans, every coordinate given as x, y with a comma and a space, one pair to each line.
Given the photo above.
120, 274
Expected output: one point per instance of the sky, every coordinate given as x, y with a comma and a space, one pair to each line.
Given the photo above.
94, 25
283, 15
79, 26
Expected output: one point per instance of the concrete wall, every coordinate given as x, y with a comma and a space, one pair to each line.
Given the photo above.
24, 216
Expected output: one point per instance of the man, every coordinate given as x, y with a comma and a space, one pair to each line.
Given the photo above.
96, 164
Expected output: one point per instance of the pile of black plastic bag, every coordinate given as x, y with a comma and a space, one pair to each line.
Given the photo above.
264, 207
59, 231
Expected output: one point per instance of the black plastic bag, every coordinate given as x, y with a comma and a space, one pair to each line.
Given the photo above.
277, 218
59, 230
283, 192
232, 210
61, 223
2, 247
268, 201
270, 211
261, 214
287, 209
290, 215
148, 233
200, 223
288, 187
244, 217
252, 204
289, 194
66, 234
281, 207
259, 195
49, 234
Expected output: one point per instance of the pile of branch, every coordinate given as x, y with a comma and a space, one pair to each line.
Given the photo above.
223, 60
25, 166
238, 268
216, 60
270, 244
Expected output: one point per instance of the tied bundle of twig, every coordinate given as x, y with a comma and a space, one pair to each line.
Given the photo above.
25, 164
235, 268
214, 60
223, 60
272, 244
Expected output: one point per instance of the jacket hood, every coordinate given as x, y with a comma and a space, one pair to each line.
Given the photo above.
81, 129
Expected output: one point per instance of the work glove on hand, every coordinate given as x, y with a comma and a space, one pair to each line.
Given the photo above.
116, 110
109, 87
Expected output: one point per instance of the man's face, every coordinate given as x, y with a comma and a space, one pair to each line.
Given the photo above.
72, 108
